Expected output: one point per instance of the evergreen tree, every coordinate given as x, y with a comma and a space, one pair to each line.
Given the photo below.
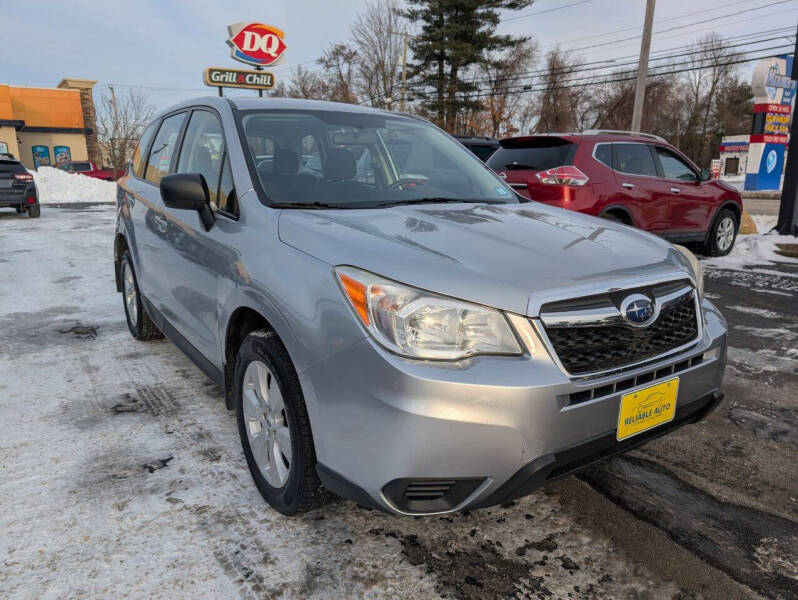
455, 36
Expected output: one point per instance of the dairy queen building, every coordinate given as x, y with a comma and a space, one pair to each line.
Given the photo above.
47, 126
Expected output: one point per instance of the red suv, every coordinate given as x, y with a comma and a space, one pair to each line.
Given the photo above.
634, 178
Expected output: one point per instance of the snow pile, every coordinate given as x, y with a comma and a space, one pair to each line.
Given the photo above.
59, 187
756, 249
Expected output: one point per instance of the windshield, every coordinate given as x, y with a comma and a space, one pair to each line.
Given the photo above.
361, 160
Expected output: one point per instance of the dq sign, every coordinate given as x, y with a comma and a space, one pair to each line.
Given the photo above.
256, 43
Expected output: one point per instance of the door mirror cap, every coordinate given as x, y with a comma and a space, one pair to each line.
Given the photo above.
188, 191
184, 191
705, 175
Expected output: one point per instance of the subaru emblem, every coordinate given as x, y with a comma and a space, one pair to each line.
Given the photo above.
638, 310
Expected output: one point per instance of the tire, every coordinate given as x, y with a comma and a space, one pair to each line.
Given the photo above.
613, 218
720, 240
34, 211
140, 325
289, 484
19, 210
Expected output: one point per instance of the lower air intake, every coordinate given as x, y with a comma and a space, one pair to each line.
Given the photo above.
429, 495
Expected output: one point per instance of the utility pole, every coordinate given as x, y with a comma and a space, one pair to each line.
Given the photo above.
788, 208
642, 67
403, 97
113, 146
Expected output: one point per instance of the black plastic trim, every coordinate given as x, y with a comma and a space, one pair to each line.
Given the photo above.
341, 486
454, 492
555, 465
174, 336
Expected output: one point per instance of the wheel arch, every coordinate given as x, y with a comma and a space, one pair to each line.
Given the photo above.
243, 321
734, 206
619, 211
120, 245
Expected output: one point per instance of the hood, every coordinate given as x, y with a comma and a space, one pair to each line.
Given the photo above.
512, 256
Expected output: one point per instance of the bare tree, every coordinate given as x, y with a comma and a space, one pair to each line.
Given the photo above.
502, 73
121, 119
558, 102
338, 62
306, 84
376, 36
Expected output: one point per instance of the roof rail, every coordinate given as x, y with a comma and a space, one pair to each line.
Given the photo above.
617, 132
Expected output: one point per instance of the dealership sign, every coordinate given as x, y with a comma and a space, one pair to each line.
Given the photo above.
254, 80
256, 44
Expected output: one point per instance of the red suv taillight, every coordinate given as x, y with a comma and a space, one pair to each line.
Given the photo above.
23, 176
563, 176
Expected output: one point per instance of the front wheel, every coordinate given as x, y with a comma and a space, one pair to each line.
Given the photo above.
722, 234
138, 321
274, 426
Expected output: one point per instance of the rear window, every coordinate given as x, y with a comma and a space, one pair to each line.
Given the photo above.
482, 151
11, 166
536, 154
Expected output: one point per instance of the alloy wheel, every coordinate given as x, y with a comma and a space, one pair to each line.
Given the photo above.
266, 424
725, 234
129, 289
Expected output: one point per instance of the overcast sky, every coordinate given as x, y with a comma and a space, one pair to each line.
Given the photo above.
163, 46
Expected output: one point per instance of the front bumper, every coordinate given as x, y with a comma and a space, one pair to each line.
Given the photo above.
483, 430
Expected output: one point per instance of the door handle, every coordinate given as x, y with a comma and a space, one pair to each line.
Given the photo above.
628, 185
676, 190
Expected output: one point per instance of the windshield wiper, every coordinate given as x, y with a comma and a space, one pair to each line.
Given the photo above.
310, 205
436, 201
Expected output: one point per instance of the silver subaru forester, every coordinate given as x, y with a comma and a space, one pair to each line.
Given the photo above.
389, 319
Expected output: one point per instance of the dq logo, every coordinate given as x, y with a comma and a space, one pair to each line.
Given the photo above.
256, 43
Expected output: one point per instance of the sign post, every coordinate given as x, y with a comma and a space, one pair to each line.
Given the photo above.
788, 209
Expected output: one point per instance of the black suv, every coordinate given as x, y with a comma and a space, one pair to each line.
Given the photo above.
481, 146
17, 189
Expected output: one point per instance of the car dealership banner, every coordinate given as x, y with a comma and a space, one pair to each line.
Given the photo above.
774, 93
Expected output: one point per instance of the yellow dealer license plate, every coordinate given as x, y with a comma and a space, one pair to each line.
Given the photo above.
647, 408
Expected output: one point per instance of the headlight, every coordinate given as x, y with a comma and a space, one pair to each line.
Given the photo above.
697, 269
419, 324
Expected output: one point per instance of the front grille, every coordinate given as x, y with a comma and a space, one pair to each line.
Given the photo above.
631, 382
592, 349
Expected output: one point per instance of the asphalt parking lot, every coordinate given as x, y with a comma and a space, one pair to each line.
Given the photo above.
122, 473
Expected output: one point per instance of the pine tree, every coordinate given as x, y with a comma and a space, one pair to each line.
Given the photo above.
455, 36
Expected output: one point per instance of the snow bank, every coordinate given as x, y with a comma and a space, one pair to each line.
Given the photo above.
756, 249
60, 187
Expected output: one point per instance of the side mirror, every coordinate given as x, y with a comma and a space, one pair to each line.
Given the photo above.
706, 175
188, 191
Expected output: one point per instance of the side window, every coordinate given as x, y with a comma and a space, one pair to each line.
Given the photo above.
81, 167
202, 150
634, 159
144, 141
604, 154
163, 148
227, 192
674, 167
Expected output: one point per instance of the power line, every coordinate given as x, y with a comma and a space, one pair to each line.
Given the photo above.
548, 10
714, 19
620, 79
613, 62
656, 22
